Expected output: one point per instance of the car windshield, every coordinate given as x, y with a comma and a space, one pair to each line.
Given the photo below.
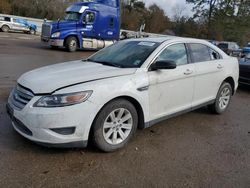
125, 54
72, 16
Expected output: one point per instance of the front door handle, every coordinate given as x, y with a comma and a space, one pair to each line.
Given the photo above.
219, 66
188, 72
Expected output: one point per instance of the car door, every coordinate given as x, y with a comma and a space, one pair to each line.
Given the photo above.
171, 91
17, 26
208, 77
88, 27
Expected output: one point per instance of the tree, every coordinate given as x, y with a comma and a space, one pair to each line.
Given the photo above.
135, 14
5, 7
178, 12
204, 8
156, 21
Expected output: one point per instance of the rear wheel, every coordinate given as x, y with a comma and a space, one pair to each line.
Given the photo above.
222, 100
115, 125
71, 44
5, 28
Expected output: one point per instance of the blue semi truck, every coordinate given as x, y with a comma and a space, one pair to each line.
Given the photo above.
87, 25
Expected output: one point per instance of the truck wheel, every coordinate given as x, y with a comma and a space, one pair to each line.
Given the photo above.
71, 44
222, 100
114, 125
32, 32
5, 28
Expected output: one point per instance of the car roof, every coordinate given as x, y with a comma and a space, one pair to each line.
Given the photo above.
171, 39
154, 39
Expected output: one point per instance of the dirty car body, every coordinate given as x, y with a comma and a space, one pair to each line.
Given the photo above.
147, 80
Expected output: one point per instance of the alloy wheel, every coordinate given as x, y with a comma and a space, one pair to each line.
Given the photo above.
117, 126
224, 98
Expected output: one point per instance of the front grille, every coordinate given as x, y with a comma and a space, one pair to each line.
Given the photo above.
46, 31
20, 96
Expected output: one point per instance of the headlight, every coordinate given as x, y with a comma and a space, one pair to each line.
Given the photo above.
55, 35
63, 99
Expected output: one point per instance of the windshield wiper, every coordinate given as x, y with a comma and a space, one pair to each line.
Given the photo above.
105, 63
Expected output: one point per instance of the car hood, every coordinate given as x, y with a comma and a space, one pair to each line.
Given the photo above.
50, 78
61, 24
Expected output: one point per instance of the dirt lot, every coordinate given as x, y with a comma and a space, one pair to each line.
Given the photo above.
197, 149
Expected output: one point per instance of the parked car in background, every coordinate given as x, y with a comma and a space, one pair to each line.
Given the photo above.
246, 49
132, 83
32, 27
17, 24
230, 48
214, 42
245, 69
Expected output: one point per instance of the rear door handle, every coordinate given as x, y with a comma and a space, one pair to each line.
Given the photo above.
188, 72
219, 66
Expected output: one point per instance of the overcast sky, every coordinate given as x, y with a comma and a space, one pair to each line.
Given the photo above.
169, 5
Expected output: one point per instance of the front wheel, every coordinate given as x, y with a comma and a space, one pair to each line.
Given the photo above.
115, 125
71, 44
5, 28
222, 100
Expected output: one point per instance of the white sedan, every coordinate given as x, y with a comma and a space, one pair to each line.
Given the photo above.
132, 84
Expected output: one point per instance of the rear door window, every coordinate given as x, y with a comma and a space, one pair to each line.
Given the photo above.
200, 53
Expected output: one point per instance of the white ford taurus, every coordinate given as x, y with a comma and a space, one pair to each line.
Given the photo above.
133, 83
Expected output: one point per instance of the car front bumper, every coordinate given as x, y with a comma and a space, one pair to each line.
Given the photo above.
56, 42
41, 125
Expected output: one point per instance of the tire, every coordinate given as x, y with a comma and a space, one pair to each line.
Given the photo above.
71, 44
110, 135
32, 32
5, 28
222, 100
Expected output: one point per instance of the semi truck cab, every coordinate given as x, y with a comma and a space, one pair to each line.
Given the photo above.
86, 25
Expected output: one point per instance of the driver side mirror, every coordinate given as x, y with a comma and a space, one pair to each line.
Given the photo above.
163, 64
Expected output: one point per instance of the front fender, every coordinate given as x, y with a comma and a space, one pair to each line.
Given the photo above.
66, 33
